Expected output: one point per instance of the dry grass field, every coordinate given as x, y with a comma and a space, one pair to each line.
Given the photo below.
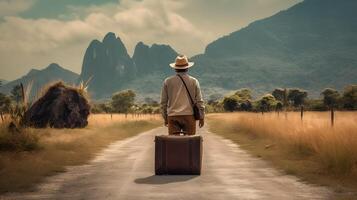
58, 148
310, 148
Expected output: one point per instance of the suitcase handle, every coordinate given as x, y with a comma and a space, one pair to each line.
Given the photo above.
180, 133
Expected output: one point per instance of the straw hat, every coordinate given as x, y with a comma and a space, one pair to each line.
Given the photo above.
181, 62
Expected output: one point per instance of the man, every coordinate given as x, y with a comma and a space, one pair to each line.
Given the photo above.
176, 105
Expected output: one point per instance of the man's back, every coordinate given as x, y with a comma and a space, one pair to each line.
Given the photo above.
175, 97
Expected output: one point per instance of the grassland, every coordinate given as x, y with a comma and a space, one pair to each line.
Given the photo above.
310, 148
58, 148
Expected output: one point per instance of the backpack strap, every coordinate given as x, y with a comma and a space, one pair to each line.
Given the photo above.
188, 92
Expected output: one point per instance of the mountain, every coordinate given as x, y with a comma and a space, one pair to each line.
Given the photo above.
3, 81
108, 65
152, 63
112, 69
40, 78
312, 45
153, 59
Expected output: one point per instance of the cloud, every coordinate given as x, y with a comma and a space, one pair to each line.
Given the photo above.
13, 7
187, 25
29, 35
150, 21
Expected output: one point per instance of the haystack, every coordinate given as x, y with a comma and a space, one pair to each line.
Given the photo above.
60, 107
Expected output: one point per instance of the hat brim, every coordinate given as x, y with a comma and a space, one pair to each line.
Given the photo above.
190, 64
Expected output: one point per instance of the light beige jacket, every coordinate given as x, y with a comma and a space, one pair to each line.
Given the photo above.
174, 98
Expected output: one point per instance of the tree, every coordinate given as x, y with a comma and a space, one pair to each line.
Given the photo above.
279, 106
246, 106
16, 93
297, 96
279, 94
214, 106
147, 110
244, 94
330, 97
101, 108
230, 104
350, 97
267, 102
122, 101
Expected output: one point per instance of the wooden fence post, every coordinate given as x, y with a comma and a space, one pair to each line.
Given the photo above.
302, 112
332, 117
286, 103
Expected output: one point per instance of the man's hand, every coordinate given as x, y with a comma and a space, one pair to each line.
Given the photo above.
166, 123
201, 123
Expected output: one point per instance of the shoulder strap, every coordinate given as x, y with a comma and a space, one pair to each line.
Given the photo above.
188, 92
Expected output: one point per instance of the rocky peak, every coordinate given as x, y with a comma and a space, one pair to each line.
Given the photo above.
151, 58
95, 44
114, 44
141, 50
107, 60
109, 37
140, 45
53, 67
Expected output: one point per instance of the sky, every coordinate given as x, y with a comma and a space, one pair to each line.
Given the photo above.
35, 33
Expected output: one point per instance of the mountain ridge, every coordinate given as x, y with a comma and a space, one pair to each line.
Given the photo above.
297, 47
41, 78
311, 45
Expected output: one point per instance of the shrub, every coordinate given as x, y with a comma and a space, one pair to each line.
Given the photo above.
20, 140
266, 103
230, 104
350, 97
315, 105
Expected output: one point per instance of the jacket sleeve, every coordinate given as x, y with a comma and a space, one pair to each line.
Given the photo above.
163, 101
198, 97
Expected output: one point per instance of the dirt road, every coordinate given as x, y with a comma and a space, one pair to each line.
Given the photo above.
125, 171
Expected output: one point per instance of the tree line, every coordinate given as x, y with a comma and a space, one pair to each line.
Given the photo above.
124, 102
285, 98
242, 100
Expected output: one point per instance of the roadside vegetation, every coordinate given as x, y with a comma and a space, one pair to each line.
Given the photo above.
124, 102
281, 99
56, 149
310, 148
294, 132
28, 154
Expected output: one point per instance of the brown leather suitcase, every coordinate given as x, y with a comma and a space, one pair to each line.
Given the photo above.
178, 155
